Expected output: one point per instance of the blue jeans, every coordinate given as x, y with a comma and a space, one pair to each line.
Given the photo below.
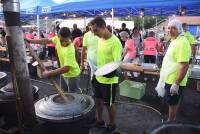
70, 85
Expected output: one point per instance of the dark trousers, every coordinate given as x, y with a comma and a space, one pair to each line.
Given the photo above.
149, 59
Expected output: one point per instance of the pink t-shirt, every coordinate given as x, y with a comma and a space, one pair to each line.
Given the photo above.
77, 42
131, 49
150, 44
51, 35
29, 36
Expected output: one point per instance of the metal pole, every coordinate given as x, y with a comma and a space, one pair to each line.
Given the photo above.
17, 55
38, 19
112, 20
38, 26
143, 23
156, 21
85, 22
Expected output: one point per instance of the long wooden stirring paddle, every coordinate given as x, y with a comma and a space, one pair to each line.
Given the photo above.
35, 56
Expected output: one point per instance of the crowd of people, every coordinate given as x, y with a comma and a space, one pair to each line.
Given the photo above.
98, 45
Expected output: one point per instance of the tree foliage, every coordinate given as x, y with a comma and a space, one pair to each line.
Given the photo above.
149, 21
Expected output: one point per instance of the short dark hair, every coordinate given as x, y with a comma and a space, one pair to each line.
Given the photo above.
98, 21
135, 28
65, 32
151, 34
185, 26
123, 24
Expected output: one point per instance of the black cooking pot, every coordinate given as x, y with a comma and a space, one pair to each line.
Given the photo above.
3, 79
176, 128
7, 98
61, 117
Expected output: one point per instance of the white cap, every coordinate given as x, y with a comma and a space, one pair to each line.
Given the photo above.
176, 23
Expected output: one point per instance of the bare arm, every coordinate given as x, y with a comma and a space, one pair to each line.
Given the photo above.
40, 41
55, 72
193, 50
83, 57
124, 51
183, 67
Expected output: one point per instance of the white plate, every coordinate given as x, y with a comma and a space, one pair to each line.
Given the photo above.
108, 68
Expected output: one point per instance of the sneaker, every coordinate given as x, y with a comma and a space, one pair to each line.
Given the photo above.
110, 128
100, 124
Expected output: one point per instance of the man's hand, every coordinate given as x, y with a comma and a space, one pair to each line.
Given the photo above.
174, 89
45, 74
27, 40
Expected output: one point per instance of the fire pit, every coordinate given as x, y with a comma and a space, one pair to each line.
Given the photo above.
7, 98
3, 80
176, 128
61, 117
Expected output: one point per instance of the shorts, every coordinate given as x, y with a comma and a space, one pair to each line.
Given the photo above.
106, 92
149, 59
70, 85
172, 99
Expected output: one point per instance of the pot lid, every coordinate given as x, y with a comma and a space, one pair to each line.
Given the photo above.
2, 75
54, 109
7, 92
108, 68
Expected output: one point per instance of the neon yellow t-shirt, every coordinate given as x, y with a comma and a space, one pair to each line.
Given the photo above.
90, 41
67, 57
181, 52
108, 51
189, 37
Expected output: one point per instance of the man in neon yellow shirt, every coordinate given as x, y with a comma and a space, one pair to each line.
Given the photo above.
69, 67
109, 49
177, 60
90, 42
190, 38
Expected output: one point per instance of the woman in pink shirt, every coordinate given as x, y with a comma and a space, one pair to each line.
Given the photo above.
150, 45
129, 52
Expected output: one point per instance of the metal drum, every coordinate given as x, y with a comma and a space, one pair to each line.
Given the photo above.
3, 80
176, 128
195, 72
7, 98
62, 117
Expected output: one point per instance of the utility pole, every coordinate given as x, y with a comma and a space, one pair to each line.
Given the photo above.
19, 69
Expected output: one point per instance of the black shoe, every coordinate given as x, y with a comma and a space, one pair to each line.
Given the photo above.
111, 128
100, 124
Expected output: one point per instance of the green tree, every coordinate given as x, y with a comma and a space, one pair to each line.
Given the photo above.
149, 21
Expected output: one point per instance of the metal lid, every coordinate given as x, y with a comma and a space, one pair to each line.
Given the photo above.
7, 93
108, 68
54, 109
2, 75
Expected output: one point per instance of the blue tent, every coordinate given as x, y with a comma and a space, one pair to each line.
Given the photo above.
103, 7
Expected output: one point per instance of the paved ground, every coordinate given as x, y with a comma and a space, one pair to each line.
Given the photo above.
137, 119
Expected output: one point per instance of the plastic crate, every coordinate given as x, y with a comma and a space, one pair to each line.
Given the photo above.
132, 89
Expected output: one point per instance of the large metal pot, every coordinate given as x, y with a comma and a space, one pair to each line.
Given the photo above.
3, 79
60, 117
176, 128
195, 72
8, 101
